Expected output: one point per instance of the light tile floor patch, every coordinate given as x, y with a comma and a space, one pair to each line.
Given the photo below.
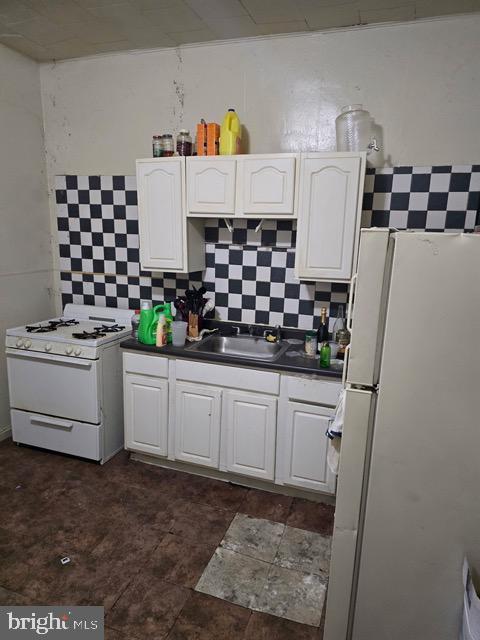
295, 595
270, 567
304, 551
254, 537
234, 577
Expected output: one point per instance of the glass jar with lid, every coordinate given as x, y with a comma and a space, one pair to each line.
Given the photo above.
184, 143
156, 147
168, 148
311, 343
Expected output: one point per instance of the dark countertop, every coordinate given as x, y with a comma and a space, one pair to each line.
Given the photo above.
287, 363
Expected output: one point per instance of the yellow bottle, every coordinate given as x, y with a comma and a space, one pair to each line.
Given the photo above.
230, 134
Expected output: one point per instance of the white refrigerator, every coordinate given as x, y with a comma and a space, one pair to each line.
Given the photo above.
408, 493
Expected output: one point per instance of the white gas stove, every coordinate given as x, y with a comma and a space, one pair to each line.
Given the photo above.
81, 332
65, 381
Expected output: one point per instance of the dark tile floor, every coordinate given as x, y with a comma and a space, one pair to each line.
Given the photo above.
138, 537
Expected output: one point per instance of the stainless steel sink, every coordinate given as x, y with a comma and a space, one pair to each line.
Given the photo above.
241, 347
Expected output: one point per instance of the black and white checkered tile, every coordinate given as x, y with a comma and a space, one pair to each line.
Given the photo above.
273, 233
442, 198
249, 273
257, 284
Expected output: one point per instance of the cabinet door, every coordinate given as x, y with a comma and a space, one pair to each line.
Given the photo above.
251, 434
197, 424
161, 220
306, 447
211, 186
268, 186
328, 217
146, 413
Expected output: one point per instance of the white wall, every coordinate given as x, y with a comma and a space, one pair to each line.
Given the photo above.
420, 80
25, 252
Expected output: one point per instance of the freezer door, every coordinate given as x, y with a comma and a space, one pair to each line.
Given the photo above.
370, 290
422, 511
359, 409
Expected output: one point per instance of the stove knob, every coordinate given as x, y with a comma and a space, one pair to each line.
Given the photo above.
77, 351
28, 344
48, 347
68, 350
19, 343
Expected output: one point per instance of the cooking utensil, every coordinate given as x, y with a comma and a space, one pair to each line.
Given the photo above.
180, 306
208, 306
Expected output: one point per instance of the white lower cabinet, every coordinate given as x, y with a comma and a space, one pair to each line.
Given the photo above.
146, 413
243, 421
306, 447
197, 423
251, 424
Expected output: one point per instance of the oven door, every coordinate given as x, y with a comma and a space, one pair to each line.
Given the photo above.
54, 385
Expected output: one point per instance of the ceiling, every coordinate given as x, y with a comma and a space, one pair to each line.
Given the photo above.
60, 29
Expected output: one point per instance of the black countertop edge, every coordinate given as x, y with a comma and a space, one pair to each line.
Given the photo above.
284, 363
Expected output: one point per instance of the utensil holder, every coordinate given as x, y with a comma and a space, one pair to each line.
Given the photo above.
193, 324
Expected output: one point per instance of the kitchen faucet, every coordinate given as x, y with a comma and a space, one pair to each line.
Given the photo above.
278, 333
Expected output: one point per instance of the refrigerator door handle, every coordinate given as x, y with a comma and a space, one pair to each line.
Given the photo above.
345, 365
353, 285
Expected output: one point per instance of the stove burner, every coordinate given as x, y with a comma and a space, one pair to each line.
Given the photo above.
40, 328
98, 332
52, 325
113, 328
89, 335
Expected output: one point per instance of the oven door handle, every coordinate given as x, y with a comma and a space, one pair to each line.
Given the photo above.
34, 355
51, 422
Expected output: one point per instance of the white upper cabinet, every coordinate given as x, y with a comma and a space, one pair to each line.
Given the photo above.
329, 212
267, 186
322, 190
242, 186
168, 242
211, 184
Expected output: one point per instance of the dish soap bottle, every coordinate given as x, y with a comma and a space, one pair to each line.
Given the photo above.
166, 309
135, 323
161, 333
230, 134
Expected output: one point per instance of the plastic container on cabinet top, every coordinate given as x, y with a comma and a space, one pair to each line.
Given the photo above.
354, 128
230, 134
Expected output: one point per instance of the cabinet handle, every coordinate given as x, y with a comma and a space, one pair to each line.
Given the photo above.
353, 286
51, 358
345, 364
51, 422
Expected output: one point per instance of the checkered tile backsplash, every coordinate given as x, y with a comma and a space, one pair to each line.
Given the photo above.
249, 274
